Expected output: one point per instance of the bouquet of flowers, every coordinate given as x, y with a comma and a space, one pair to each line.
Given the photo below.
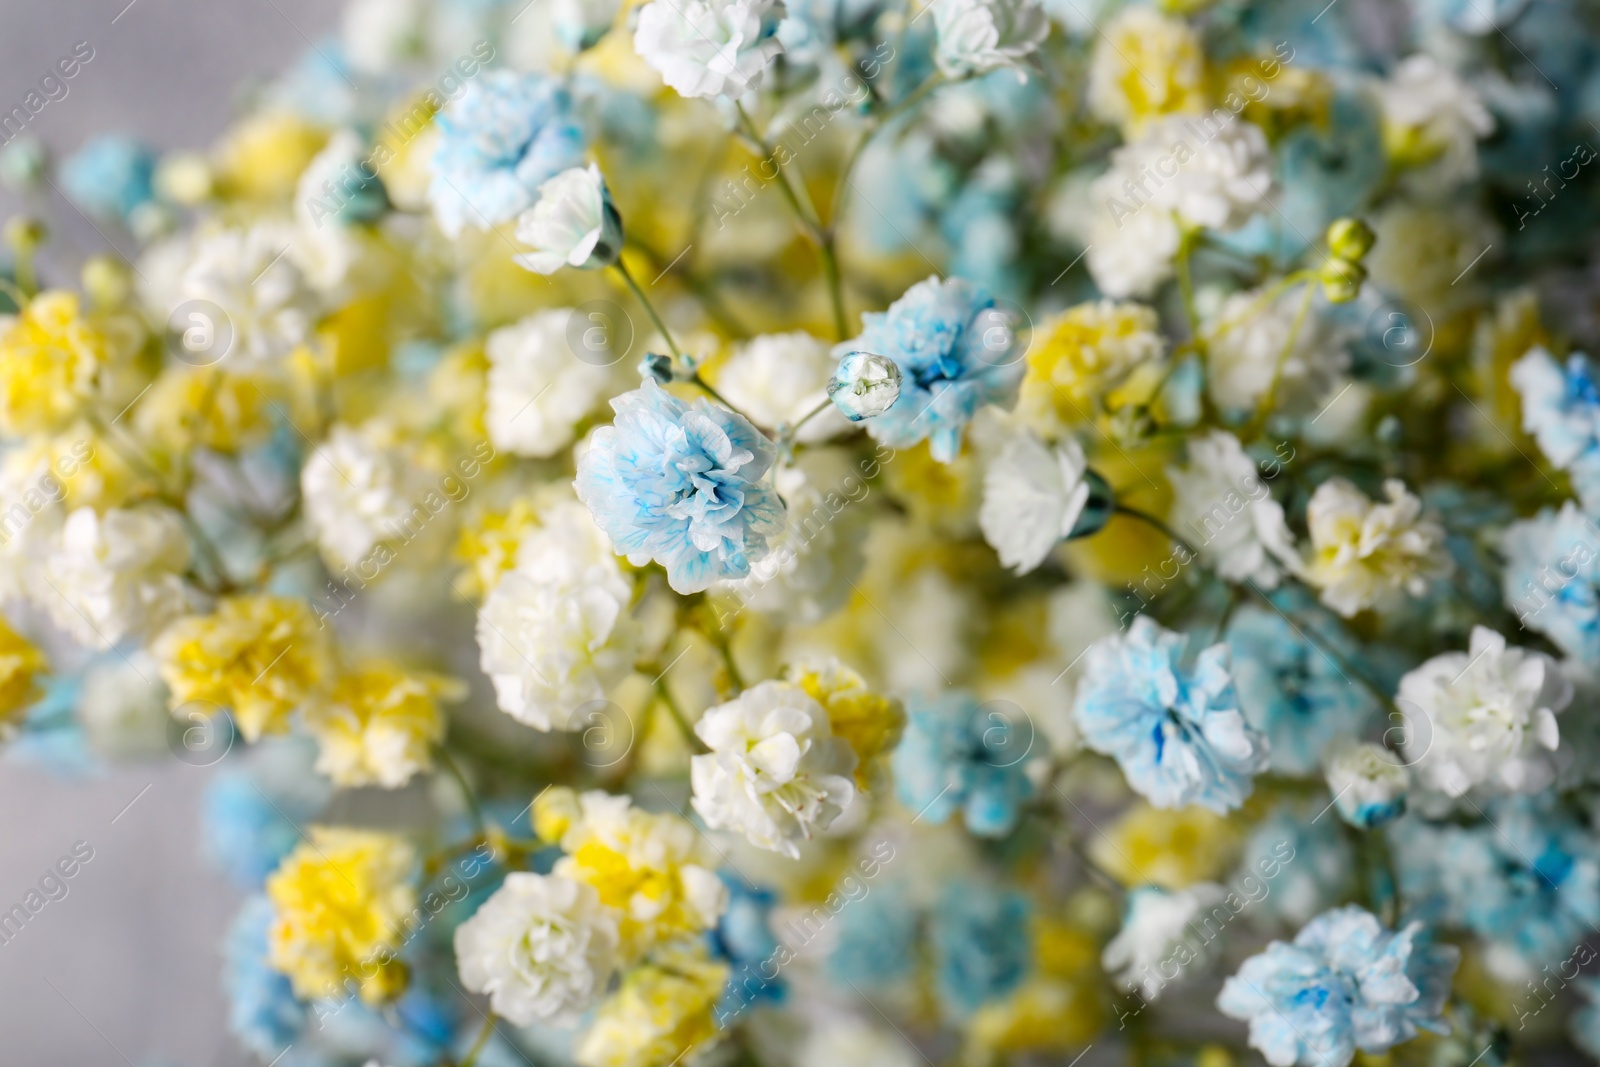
847, 533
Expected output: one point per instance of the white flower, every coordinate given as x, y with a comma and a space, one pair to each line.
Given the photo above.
1032, 497
1247, 342
117, 575
124, 707
1207, 172
1129, 253
258, 286
379, 35
538, 388
1368, 784
572, 224
1484, 717
1156, 939
357, 494
555, 632
542, 947
980, 35
1221, 506
778, 378
709, 48
1364, 554
1435, 118
775, 772
30, 524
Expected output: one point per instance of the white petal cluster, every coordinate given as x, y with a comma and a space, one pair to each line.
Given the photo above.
777, 378
1423, 101
1246, 351
1223, 508
571, 224
709, 48
775, 772
1484, 718
1032, 497
1209, 172
538, 388
249, 275
542, 948
358, 492
555, 632
980, 35
1156, 942
1368, 783
116, 575
1365, 554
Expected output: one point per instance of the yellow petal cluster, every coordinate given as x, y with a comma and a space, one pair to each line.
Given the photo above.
1080, 356
379, 724
869, 722
50, 356
20, 665
261, 656
662, 1011
340, 902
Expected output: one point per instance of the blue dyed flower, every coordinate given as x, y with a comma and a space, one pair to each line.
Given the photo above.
1291, 690
1584, 1026
956, 351
877, 939
110, 177
744, 939
1345, 983
958, 754
505, 136
1561, 409
262, 1010
1527, 879
981, 944
1176, 731
680, 483
1305, 862
1552, 578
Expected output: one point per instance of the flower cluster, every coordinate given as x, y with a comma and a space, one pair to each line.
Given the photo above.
844, 533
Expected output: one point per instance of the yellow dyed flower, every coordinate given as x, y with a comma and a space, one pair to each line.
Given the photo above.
1363, 553
263, 157
1171, 849
341, 901
1146, 65
1081, 356
662, 1011
262, 656
489, 546
205, 407
20, 665
654, 869
941, 496
869, 722
380, 723
50, 356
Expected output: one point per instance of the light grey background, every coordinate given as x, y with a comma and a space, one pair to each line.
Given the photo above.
124, 971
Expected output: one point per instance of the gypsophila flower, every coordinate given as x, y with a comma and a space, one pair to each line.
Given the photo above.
1081, 356
1484, 718
1345, 983
1432, 118
503, 138
976, 36
1156, 936
959, 755
1561, 409
775, 772
572, 224
1247, 360
681, 484
778, 379
359, 492
956, 351
1552, 578
1224, 508
379, 723
1365, 554
1033, 496
269, 306
542, 948
118, 574
538, 390
1368, 783
980, 944
1176, 731
709, 48
1145, 64
865, 385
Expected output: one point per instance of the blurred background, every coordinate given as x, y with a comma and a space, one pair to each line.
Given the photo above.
123, 970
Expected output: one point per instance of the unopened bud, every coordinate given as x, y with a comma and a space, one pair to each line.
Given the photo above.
864, 385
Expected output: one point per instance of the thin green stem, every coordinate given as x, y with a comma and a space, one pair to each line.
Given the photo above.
452, 768
670, 702
792, 431
649, 308
1270, 398
1155, 523
1191, 313
712, 393
477, 1046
